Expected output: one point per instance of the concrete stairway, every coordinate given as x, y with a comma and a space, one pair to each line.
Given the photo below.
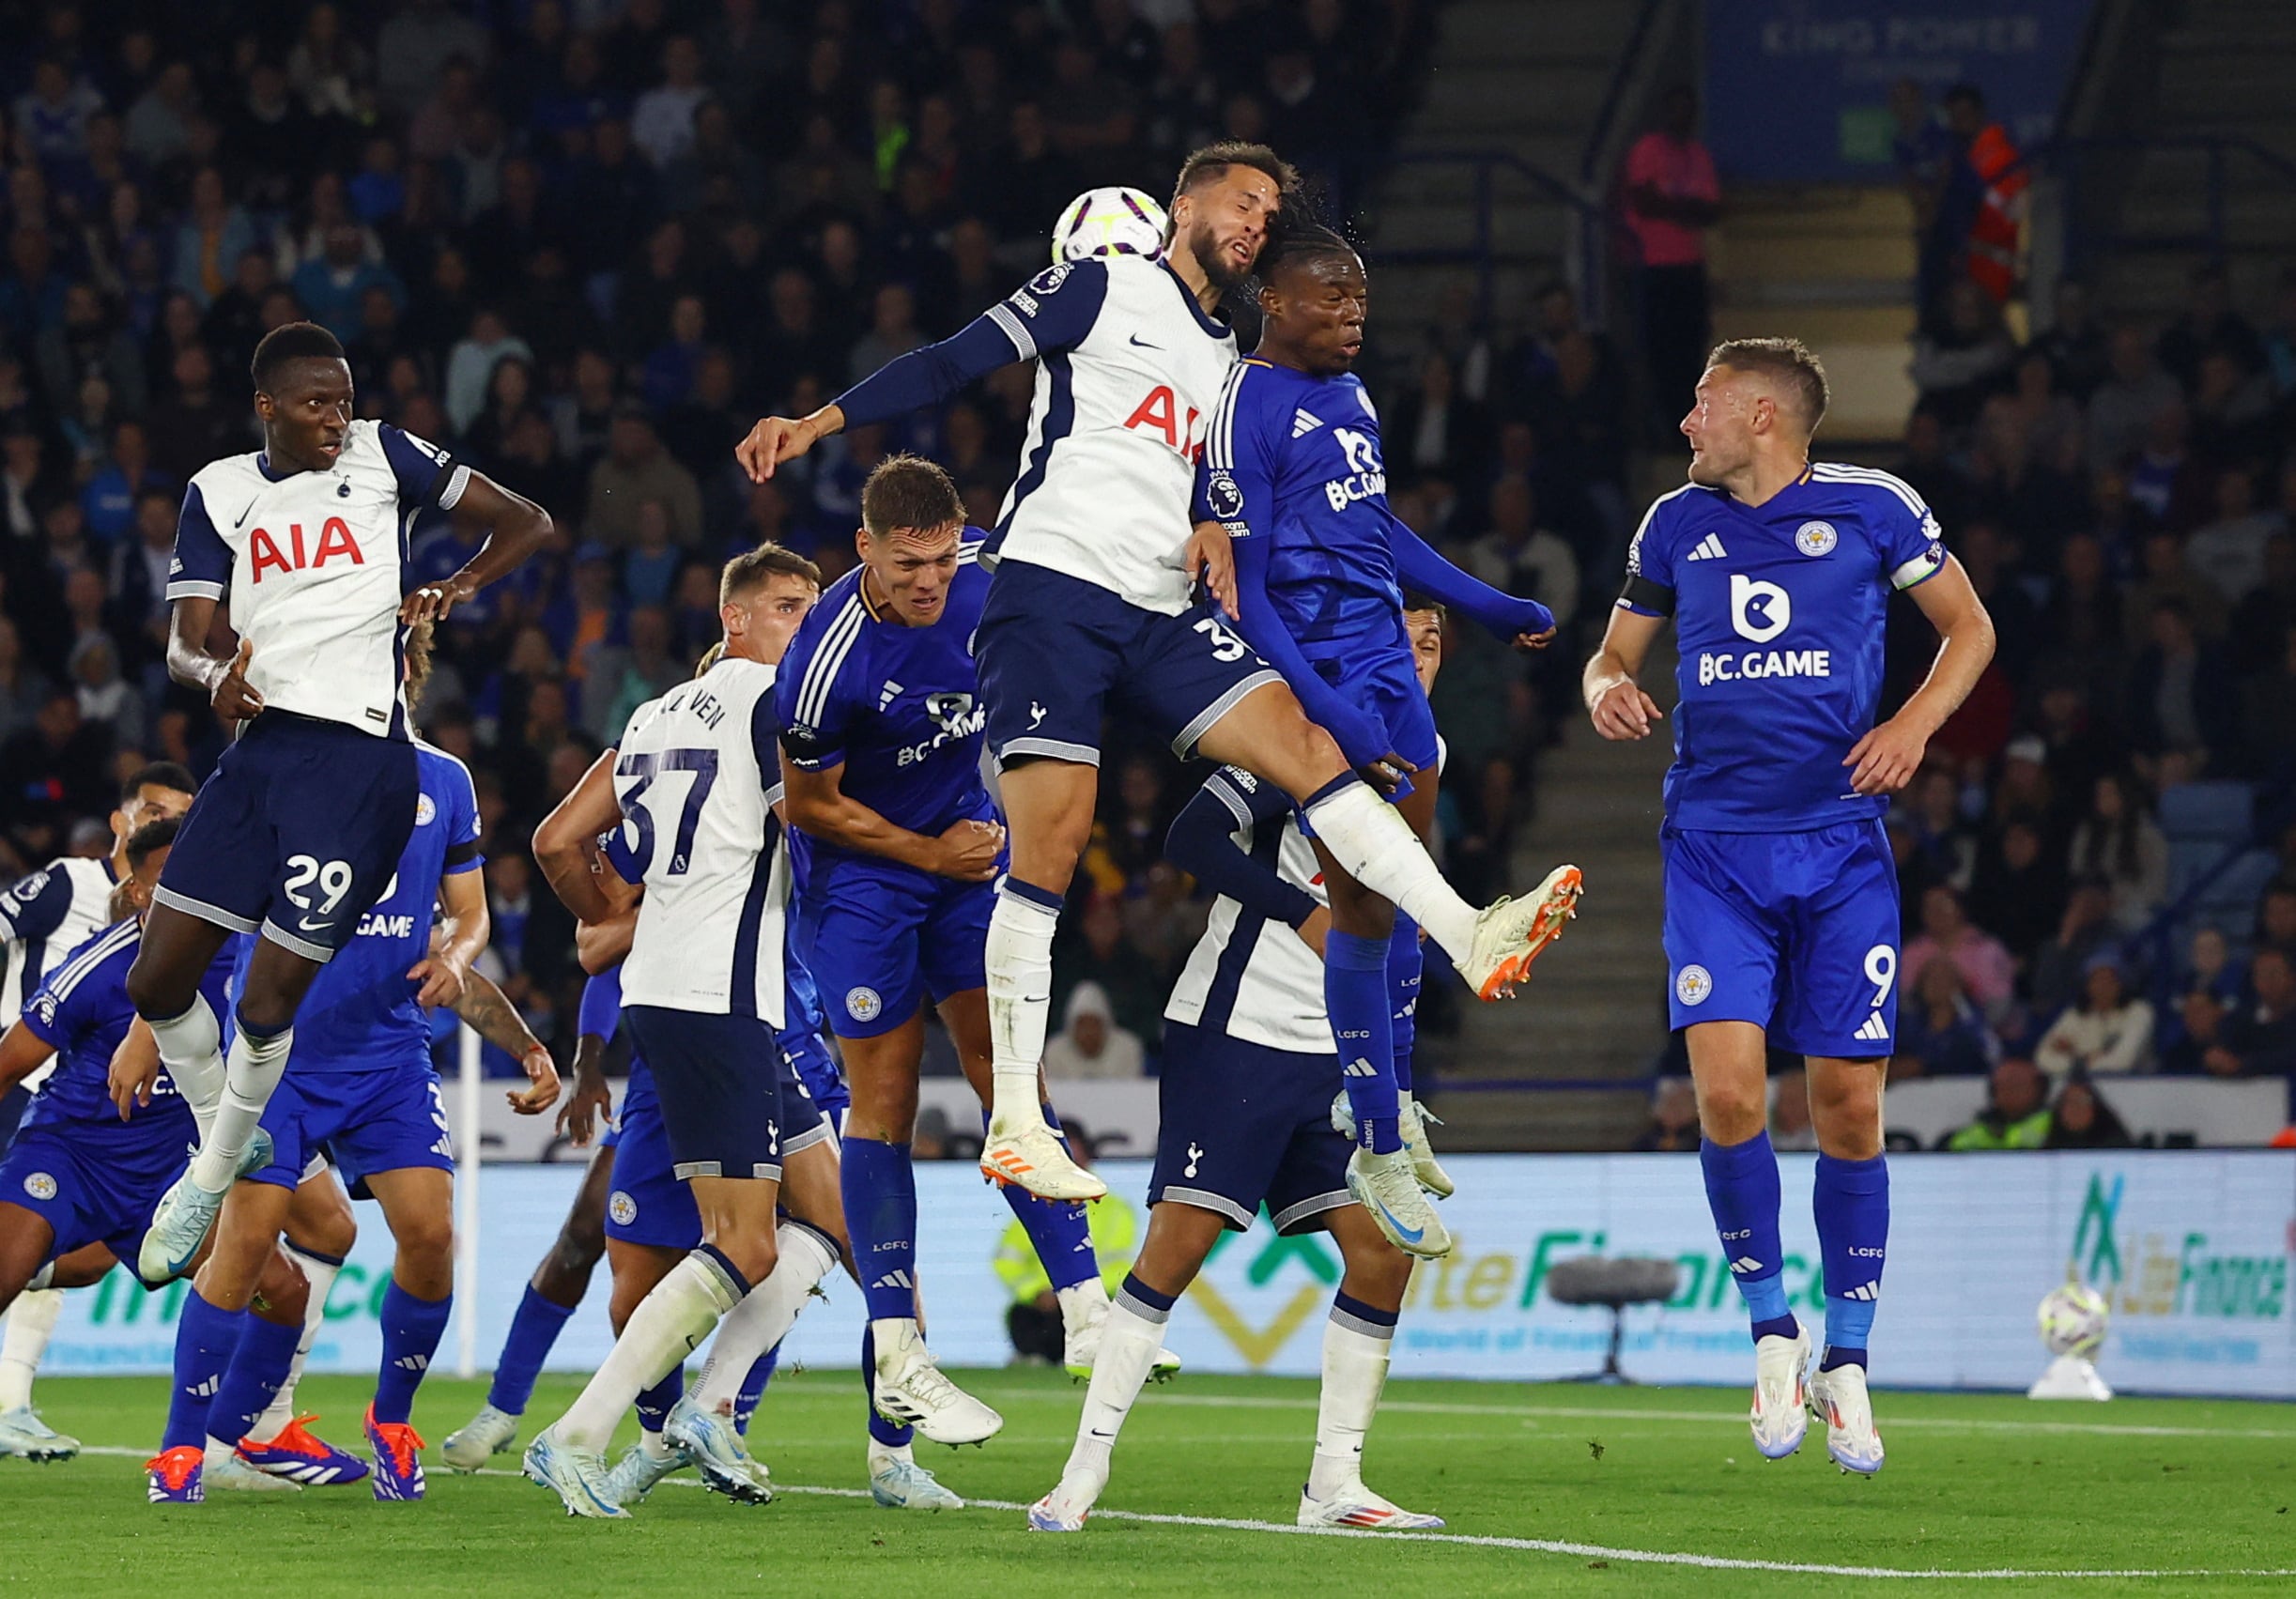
1595, 1008
1527, 77
2224, 67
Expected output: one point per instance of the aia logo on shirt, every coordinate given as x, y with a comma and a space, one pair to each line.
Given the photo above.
1159, 413
334, 543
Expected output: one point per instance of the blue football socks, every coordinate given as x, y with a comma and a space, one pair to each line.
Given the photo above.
1406, 963
411, 1328
1355, 994
1852, 1205
1059, 1229
259, 1367
532, 1330
1743, 1193
206, 1339
880, 1190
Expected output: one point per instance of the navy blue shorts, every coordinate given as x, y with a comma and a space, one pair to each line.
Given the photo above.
883, 937
1052, 648
94, 1190
297, 832
366, 1118
720, 1084
1245, 1125
1796, 932
1380, 673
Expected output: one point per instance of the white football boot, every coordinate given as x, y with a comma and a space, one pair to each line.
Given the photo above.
909, 1389
1034, 1158
25, 1435
479, 1438
897, 1482
1839, 1398
1781, 1413
1358, 1506
1386, 1186
1083, 1316
1509, 933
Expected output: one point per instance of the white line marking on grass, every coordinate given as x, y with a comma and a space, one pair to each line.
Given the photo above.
1526, 1546
1629, 1416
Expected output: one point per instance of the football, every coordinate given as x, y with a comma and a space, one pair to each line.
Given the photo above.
1100, 223
2072, 1320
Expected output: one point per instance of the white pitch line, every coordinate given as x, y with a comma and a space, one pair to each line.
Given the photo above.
1627, 1417
1527, 1545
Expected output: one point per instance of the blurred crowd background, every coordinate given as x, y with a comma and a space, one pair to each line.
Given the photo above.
584, 243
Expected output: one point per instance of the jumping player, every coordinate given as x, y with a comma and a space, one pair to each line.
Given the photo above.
42, 917
1093, 559
1292, 470
1781, 900
1249, 1075
84, 1172
363, 1088
696, 775
881, 737
301, 827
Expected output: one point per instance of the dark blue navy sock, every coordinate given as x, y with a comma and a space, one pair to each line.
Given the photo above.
532, 1330
880, 1190
892, 1435
1852, 1204
753, 1388
1406, 961
1355, 994
1146, 1300
253, 1379
654, 1404
1368, 1319
205, 1338
411, 1328
1742, 1192
1059, 1229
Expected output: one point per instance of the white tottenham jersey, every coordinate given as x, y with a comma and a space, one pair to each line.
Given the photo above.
697, 775
1250, 977
314, 564
1128, 372
44, 917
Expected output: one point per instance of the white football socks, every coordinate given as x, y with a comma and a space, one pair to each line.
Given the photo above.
253, 1069
1370, 837
191, 1049
1019, 956
666, 1326
765, 1315
1128, 1341
320, 1274
24, 1339
1355, 1355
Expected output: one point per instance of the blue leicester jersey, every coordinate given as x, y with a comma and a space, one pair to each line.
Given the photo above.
361, 1012
1778, 614
83, 1010
1295, 459
898, 707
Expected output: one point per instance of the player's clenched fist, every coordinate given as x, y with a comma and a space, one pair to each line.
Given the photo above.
231, 695
1623, 711
969, 851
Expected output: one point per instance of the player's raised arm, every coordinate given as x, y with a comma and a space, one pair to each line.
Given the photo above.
1524, 623
1886, 758
516, 529
488, 1012
1052, 311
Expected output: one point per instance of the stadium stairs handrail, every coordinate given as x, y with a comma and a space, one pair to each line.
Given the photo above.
1482, 253
2151, 948
2067, 157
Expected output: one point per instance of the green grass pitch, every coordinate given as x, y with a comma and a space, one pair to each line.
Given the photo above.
1549, 1489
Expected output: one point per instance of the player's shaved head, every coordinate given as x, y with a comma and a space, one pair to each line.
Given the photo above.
1794, 377
151, 839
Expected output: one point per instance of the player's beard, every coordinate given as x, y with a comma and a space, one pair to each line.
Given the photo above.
1205, 246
